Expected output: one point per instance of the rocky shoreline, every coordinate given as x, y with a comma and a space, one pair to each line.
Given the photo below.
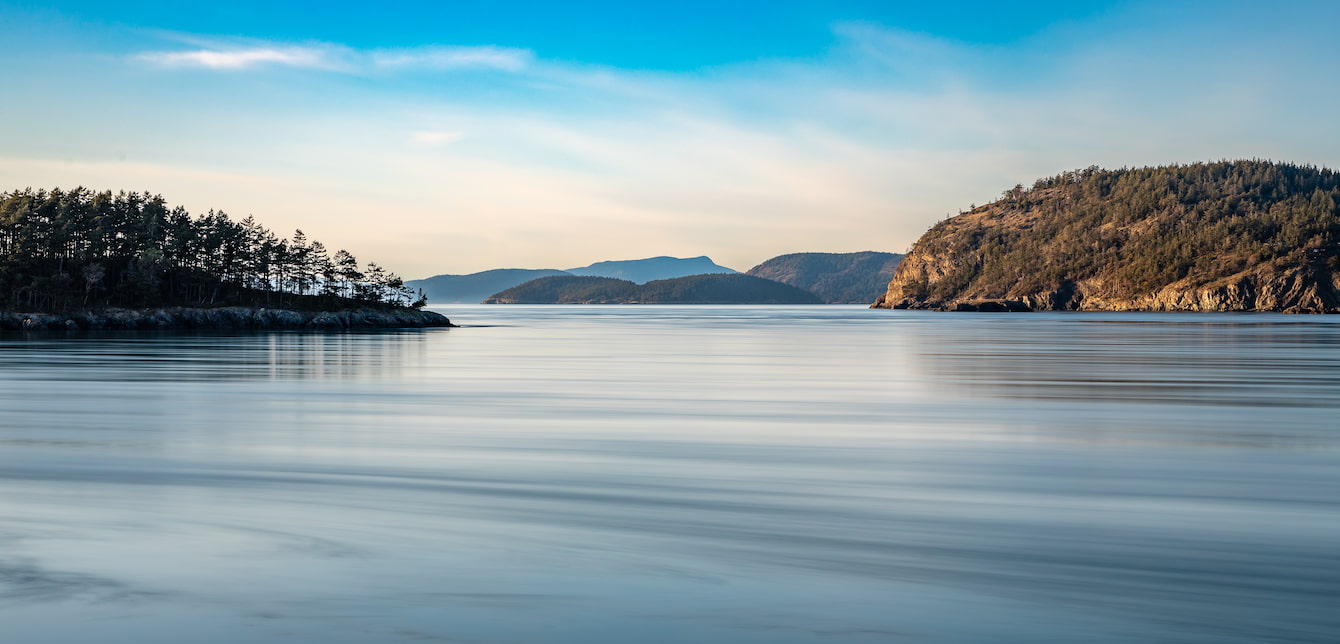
1262, 289
228, 318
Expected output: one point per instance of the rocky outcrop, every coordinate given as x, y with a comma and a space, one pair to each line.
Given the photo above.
224, 318
1226, 236
1287, 290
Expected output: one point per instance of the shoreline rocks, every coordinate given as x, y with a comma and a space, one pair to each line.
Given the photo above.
226, 318
1262, 289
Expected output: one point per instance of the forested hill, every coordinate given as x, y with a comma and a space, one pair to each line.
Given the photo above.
1225, 236
837, 278
479, 286
695, 289
64, 250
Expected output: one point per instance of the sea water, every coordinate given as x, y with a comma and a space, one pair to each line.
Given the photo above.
678, 474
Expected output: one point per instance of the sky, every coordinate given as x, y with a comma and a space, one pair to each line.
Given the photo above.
455, 137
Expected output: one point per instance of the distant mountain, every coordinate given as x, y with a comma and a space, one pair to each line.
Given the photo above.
473, 288
837, 278
694, 289
653, 268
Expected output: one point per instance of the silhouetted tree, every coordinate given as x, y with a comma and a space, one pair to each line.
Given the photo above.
67, 248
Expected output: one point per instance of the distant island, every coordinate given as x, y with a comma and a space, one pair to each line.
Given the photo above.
1225, 236
476, 287
81, 259
695, 289
837, 278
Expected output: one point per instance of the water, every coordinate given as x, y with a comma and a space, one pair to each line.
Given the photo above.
678, 474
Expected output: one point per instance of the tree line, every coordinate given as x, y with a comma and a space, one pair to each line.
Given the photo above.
63, 250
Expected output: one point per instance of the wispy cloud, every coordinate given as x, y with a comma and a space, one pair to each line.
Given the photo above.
502, 58
338, 58
231, 59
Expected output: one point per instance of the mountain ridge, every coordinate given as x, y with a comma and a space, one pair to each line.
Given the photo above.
649, 269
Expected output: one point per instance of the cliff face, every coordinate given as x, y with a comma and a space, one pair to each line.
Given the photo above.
1230, 236
223, 318
1289, 289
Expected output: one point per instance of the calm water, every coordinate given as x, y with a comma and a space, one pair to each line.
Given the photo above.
678, 474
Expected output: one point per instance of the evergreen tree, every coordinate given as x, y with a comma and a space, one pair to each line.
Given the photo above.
78, 248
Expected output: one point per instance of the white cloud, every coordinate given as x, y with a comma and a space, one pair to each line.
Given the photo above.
501, 58
338, 58
230, 59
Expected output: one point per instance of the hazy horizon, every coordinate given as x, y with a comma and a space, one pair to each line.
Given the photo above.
444, 139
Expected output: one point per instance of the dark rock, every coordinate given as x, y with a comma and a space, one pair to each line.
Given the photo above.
224, 318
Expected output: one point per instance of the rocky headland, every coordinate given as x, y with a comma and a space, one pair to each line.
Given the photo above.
1226, 236
227, 318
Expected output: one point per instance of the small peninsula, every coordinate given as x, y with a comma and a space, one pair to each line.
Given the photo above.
81, 259
1225, 236
712, 288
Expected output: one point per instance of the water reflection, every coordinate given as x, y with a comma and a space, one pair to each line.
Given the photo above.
1148, 361
1245, 380
140, 356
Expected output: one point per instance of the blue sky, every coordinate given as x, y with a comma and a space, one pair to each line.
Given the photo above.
683, 35
456, 137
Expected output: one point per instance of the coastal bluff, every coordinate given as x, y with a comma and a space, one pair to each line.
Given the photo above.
226, 318
1224, 236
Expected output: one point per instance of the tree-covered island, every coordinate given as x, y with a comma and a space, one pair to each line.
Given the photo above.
1248, 235
86, 259
709, 288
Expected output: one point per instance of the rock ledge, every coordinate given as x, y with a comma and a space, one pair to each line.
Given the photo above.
227, 318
